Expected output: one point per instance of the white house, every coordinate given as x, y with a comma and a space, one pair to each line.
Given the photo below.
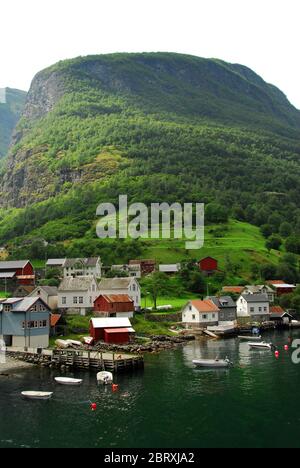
200, 314
76, 295
129, 286
48, 294
130, 270
261, 289
82, 267
254, 306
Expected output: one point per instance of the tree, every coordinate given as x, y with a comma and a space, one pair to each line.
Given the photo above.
274, 242
268, 271
216, 213
285, 229
157, 284
292, 245
266, 230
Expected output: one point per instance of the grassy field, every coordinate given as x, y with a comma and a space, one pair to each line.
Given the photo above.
176, 302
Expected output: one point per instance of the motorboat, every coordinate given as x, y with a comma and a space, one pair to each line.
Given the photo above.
105, 377
249, 338
37, 395
212, 363
67, 381
261, 345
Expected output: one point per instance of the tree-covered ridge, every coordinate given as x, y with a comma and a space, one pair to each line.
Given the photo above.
10, 111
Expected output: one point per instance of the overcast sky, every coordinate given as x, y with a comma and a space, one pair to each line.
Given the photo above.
262, 34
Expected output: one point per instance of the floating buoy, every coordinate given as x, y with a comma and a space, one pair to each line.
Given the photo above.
93, 406
115, 387
286, 348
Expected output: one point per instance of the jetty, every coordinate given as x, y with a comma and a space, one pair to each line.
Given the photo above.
78, 359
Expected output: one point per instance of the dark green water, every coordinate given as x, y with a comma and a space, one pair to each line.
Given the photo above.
170, 404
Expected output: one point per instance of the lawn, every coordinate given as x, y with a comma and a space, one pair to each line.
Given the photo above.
176, 302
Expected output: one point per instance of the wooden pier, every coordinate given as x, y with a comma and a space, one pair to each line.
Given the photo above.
79, 359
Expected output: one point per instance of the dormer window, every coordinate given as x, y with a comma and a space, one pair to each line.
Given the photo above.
7, 308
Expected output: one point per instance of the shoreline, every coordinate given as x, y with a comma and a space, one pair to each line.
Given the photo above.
11, 365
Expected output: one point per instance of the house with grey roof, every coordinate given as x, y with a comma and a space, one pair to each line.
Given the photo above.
76, 295
49, 294
124, 286
82, 267
170, 269
261, 289
256, 307
227, 308
25, 322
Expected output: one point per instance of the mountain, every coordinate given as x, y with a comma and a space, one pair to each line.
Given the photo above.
12, 103
157, 127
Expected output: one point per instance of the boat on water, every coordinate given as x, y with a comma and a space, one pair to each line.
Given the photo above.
261, 345
67, 381
105, 377
249, 338
212, 363
37, 395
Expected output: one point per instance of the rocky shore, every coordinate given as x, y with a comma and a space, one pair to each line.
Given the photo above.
156, 343
9, 364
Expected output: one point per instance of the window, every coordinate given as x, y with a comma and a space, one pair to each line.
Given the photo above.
41, 323
134, 287
63, 300
265, 309
204, 317
23, 325
81, 300
260, 309
213, 316
252, 309
190, 308
45, 323
75, 300
7, 308
194, 317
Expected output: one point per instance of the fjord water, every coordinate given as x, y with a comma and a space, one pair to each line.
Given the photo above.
169, 404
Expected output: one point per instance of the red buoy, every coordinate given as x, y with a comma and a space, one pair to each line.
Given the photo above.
93, 406
277, 354
286, 348
115, 387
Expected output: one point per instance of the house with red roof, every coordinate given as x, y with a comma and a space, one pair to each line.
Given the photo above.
279, 315
114, 305
200, 314
281, 287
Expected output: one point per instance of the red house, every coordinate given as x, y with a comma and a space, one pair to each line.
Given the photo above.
281, 287
116, 305
147, 266
20, 271
111, 330
208, 265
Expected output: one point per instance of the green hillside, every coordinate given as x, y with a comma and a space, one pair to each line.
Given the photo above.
11, 106
157, 127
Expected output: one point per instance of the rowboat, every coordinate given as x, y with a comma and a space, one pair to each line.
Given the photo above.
261, 345
37, 395
212, 363
105, 378
67, 381
249, 338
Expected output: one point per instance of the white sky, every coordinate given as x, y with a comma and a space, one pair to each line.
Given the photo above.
262, 34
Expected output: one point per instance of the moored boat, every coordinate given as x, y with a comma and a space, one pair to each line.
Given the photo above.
262, 345
105, 378
67, 381
37, 395
212, 363
249, 338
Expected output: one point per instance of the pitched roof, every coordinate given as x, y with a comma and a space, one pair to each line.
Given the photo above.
55, 261
54, 319
275, 282
115, 283
174, 268
205, 306
223, 301
49, 290
277, 310
257, 288
112, 298
90, 262
79, 283
22, 304
13, 264
256, 297
111, 322
233, 289
119, 330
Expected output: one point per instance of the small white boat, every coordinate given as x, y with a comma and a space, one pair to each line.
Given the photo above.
67, 381
212, 363
261, 345
37, 395
249, 338
105, 378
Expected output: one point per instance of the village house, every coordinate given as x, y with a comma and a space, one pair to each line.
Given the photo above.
111, 330
281, 287
129, 270
261, 289
256, 307
25, 322
227, 308
49, 294
55, 320
76, 295
147, 266
280, 316
200, 314
15, 273
82, 267
119, 305
172, 269
23, 291
125, 286
208, 266
55, 263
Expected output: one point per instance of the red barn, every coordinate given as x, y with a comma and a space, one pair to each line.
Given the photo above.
115, 305
112, 330
147, 266
20, 271
208, 265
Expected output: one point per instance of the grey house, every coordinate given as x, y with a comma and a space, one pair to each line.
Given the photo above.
227, 307
25, 322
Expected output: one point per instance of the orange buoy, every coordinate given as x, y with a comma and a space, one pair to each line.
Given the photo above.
115, 387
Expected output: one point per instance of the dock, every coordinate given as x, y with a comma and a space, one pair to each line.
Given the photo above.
79, 359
